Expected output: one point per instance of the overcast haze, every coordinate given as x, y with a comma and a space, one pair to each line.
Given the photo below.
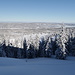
37, 11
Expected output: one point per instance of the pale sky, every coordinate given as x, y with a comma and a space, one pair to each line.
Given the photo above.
37, 11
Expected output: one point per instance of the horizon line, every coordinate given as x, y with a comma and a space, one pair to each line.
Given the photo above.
34, 22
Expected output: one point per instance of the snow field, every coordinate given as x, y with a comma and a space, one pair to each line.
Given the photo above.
37, 66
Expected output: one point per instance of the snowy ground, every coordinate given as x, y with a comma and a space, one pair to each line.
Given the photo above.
37, 66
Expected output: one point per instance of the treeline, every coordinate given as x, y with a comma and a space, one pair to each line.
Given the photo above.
46, 48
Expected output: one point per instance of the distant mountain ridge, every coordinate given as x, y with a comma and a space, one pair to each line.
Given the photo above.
33, 25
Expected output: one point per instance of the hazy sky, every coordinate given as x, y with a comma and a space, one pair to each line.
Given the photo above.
37, 11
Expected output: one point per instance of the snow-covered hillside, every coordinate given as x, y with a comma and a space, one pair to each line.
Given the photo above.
37, 66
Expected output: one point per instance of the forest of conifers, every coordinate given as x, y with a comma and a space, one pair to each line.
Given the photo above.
46, 48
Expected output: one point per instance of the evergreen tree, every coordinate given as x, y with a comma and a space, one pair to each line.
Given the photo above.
42, 47
73, 47
24, 48
54, 46
19, 53
0, 50
4, 49
30, 52
48, 50
60, 54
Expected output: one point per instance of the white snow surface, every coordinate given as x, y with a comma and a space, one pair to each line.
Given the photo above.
37, 66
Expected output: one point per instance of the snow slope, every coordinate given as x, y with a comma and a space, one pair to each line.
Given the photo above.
37, 66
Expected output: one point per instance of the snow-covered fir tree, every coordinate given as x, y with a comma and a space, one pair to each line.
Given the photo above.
24, 48
61, 50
